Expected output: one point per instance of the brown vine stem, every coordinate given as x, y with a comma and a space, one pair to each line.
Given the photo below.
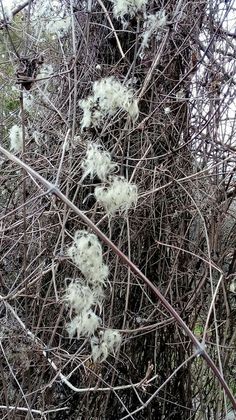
200, 349
112, 27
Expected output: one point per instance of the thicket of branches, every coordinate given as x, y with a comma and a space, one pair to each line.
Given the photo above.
177, 58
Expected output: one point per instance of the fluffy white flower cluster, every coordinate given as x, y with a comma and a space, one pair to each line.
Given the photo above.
121, 8
232, 286
50, 17
104, 344
42, 9
153, 25
81, 297
28, 102
59, 26
85, 324
16, 138
45, 71
37, 136
97, 162
109, 96
120, 195
86, 253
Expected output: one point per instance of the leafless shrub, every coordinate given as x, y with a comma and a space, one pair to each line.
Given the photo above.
179, 152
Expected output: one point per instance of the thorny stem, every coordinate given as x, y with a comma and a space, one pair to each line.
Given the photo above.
200, 350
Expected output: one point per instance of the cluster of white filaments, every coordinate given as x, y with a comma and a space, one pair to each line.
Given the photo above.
124, 8
117, 194
45, 71
50, 19
107, 342
85, 324
86, 253
109, 96
37, 136
28, 102
97, 162
16, 138
120, 195
59, 26
153, 25
82, 295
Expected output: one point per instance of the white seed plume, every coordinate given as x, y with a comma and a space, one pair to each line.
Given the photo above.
120, 195
112, 338
99, 350
127, 7
153, 25
86, 253
167, 110
97, 162
42, 8
232, 286
16, 138
84, 324
37, 136
81, 297
45, 71
107, 342
59, 26
28, 102
109, 96
180, 95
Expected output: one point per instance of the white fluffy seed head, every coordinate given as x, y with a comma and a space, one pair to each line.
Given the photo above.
120, 195
81, 297
133, 110
97, 162
87, 106
28, 102
71, 327
180, 95
99, 350
86, 253
45, 71
153, 24
112, 95
37, 136
84, 324
109, 96
16, 138
232, 286
167, 110
107, 342
112, 338
121, 8
59, 26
